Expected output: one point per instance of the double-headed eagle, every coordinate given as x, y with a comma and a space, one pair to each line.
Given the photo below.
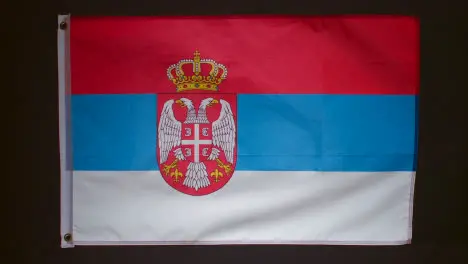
170, 136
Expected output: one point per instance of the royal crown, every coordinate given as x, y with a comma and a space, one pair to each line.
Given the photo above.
197, 81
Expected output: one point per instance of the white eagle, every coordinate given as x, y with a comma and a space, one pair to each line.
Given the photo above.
170, 134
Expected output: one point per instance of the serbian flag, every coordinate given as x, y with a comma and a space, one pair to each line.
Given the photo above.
238, 130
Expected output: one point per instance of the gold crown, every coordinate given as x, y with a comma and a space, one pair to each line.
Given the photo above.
197, 81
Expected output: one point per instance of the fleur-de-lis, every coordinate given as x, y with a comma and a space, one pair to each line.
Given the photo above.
216, 174
176, 175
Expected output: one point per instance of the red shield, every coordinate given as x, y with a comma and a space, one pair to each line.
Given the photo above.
197, 140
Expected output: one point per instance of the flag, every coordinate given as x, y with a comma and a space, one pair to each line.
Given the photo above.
238, 130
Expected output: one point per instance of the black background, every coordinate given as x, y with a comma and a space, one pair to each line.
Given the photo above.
440, 216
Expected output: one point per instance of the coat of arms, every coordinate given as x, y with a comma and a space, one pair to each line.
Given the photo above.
197, 134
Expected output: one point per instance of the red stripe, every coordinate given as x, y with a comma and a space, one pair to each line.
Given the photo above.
328, 55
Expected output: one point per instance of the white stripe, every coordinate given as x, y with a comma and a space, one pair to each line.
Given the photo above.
254, 207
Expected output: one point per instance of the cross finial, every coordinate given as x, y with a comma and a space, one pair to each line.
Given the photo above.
196, 54
196, 60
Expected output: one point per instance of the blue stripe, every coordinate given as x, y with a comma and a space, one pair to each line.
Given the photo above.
114, 132
275, 132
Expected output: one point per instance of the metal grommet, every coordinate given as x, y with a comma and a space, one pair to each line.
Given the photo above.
63, 25
67, 237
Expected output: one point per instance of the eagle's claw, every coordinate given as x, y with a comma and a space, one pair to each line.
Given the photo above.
226, 167
167, 168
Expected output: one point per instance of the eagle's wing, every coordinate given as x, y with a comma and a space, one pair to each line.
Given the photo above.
224, 131
169, 131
